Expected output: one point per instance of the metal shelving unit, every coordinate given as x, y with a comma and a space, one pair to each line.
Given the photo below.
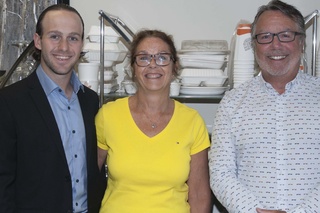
312, 19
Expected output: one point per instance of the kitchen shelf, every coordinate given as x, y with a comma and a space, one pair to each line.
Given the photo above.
181, 98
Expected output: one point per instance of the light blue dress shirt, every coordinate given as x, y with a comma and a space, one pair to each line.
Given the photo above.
69, 119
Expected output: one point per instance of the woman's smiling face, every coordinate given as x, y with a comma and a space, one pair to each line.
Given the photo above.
153, 77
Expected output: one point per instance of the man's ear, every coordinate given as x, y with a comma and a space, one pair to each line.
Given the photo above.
37, 41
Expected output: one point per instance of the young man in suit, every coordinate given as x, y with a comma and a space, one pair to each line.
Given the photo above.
48, 150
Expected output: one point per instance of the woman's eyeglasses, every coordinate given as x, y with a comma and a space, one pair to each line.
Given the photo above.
161, 59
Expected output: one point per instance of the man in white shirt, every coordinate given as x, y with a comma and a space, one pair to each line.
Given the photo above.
265, 152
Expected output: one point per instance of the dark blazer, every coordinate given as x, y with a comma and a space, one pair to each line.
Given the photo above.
34, 175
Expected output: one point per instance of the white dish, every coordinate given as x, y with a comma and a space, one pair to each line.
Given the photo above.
202, 90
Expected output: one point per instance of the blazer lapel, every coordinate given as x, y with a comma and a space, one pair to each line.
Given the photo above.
86, 119
42, 104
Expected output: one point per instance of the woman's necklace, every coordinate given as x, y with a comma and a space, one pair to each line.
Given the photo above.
154, 124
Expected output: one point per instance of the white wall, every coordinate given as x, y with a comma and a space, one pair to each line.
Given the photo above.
186, 19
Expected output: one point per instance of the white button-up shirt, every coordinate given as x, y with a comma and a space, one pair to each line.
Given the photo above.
266, 147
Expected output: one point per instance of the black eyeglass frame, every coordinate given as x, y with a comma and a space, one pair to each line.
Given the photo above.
277, 34
153, 56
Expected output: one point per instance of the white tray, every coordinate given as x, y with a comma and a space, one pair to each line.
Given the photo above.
202, 90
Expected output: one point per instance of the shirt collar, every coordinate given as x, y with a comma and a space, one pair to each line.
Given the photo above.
49, 85
268, 87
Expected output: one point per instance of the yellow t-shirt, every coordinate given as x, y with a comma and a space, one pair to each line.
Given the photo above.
148, 175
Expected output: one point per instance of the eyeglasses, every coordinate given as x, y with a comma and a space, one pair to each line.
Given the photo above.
161, 59
285, 36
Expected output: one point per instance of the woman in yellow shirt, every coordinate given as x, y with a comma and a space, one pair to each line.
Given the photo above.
155, 147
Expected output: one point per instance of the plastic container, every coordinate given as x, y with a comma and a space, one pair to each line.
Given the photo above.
110, 35
194, 81
208, 45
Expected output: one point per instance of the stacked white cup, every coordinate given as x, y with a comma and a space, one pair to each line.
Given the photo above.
243, 62
88, 75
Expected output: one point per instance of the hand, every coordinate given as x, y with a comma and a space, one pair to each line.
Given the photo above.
269, 211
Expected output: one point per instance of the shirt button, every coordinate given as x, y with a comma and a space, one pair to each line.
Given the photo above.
73, 131
68, 108
60, 90
75, 156
77, 180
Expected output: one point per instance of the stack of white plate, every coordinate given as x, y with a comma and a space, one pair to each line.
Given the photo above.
203, 62
243, 61
208, 54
